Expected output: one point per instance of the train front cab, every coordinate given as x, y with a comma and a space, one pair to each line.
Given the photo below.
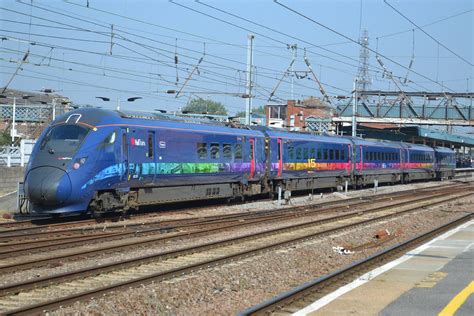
61, 163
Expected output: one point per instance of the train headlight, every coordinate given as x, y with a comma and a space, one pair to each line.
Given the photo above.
79, 162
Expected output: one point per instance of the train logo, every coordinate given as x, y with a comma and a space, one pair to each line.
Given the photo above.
137, 142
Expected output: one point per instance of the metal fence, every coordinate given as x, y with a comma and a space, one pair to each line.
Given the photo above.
16, 155
32, 113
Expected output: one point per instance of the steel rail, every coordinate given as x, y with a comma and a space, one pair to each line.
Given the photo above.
140, 243
42, 223
5, 236
175, 271
311, 290
15, 249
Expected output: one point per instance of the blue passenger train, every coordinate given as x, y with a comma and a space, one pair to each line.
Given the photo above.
94, 160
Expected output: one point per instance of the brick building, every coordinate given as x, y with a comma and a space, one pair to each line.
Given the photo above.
308, 115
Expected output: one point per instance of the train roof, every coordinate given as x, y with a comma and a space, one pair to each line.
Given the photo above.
444, 150
384, 143
418, 147
104, 118
309, 137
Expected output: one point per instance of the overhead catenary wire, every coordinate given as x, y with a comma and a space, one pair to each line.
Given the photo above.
428, 24
429, 35
205, 68
255, 23
214, 56
356, 42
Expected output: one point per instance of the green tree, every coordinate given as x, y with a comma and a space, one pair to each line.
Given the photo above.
5, 138
205, 106
259, 110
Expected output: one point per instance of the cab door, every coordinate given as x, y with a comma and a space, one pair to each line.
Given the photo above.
124, 156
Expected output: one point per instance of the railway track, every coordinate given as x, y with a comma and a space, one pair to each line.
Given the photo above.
194, 229
54, 233
298, 298
39, 225
31, 296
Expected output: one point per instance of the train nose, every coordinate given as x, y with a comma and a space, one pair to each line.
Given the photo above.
47, 186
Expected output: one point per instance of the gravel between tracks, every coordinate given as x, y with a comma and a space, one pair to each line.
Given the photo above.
226, 289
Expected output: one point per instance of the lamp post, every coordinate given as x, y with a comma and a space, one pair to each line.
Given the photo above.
354, 111
118, 100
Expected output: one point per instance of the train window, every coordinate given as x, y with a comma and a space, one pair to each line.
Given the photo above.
337, 155
238, 151
202, 150
214, 151
366, 156
251, 150
298, 153
320, 156
306, 153
64, 138
313, 153
110, 139
331, 154
343, 155
227, 151
150, 144
291, 152
325, 154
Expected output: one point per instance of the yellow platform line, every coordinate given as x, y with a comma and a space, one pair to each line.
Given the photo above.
458, 300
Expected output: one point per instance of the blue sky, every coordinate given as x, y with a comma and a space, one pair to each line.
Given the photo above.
71, 52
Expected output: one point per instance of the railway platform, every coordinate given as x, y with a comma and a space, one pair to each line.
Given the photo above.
436, 278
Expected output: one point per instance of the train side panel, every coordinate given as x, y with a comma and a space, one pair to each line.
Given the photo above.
302, 161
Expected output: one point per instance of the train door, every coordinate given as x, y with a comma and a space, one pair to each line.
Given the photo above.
124, 156
360, 157
280, 157
151, 154
403, 158
252, 158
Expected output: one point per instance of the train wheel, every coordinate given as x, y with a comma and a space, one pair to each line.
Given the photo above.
98, 215
406, 178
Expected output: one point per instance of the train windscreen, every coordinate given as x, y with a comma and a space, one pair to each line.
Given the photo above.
64, 139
